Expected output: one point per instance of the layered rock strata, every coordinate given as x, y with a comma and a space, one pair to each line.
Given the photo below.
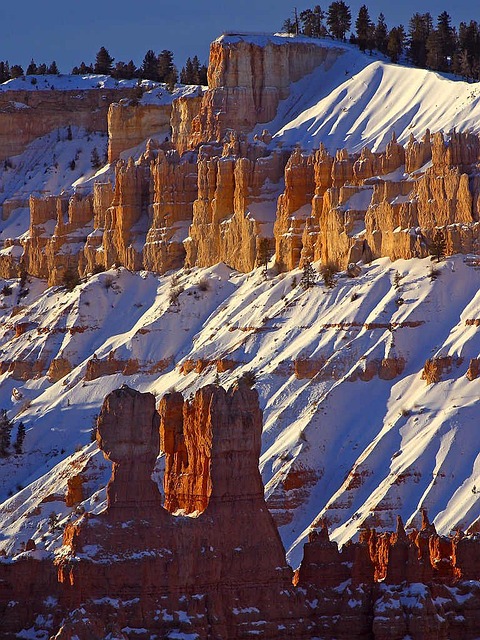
26, 115
247, 80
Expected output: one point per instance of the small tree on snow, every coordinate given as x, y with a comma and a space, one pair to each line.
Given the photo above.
6, 426
309, 276
263, 254
95, 159
438, 246
18, 444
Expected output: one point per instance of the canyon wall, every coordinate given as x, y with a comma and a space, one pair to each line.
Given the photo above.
136, 570
26, 115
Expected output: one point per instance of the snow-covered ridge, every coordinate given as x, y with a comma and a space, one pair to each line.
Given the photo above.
261, 39
67, 82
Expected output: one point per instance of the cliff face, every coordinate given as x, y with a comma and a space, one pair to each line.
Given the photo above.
246, 81
130, 124
26, 115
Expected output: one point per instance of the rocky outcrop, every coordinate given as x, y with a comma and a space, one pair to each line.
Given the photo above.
175, 190
130, 123
235, 209
241, 202
203, 565
246, 81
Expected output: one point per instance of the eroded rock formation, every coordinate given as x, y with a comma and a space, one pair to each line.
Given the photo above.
136, 570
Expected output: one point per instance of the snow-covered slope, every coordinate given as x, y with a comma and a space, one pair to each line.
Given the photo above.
360, 100
334, 445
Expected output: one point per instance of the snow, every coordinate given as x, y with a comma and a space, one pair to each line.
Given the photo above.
66, 82
161, 95
360, 100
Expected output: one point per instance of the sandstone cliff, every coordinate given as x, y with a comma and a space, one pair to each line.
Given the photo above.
247, 79
26, 115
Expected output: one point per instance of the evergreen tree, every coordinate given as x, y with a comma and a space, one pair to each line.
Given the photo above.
434, 51
380, 35
16, 71
263, 254
53, 69
149, 68
395, 45
18, 444
309, 276
438, 245
103, 62
419, 29
461, 64
288, 26
6, 426
312, 22
32, 68
339, 19
166, 69
4, 72
187, 73
448, 39
124, 71
42, 69
365, 29
95, 159
83, 69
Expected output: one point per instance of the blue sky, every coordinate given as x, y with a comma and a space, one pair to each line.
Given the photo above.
70, 31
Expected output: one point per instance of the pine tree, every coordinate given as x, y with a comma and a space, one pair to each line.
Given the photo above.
84, 69
448, 40
288, 26
4, 72
124, 71
312, 22
103, 62
42, 69
434, 51
32, 68
166, 69
380, 35
53, 69
16, 71
309, 276
18, 444
187, 73
438, 245
396, 39
419, 29
339, 19
53, 522
328, 271
95, 159
149, 68
6, 426
462, 65
364, 28
263, 255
